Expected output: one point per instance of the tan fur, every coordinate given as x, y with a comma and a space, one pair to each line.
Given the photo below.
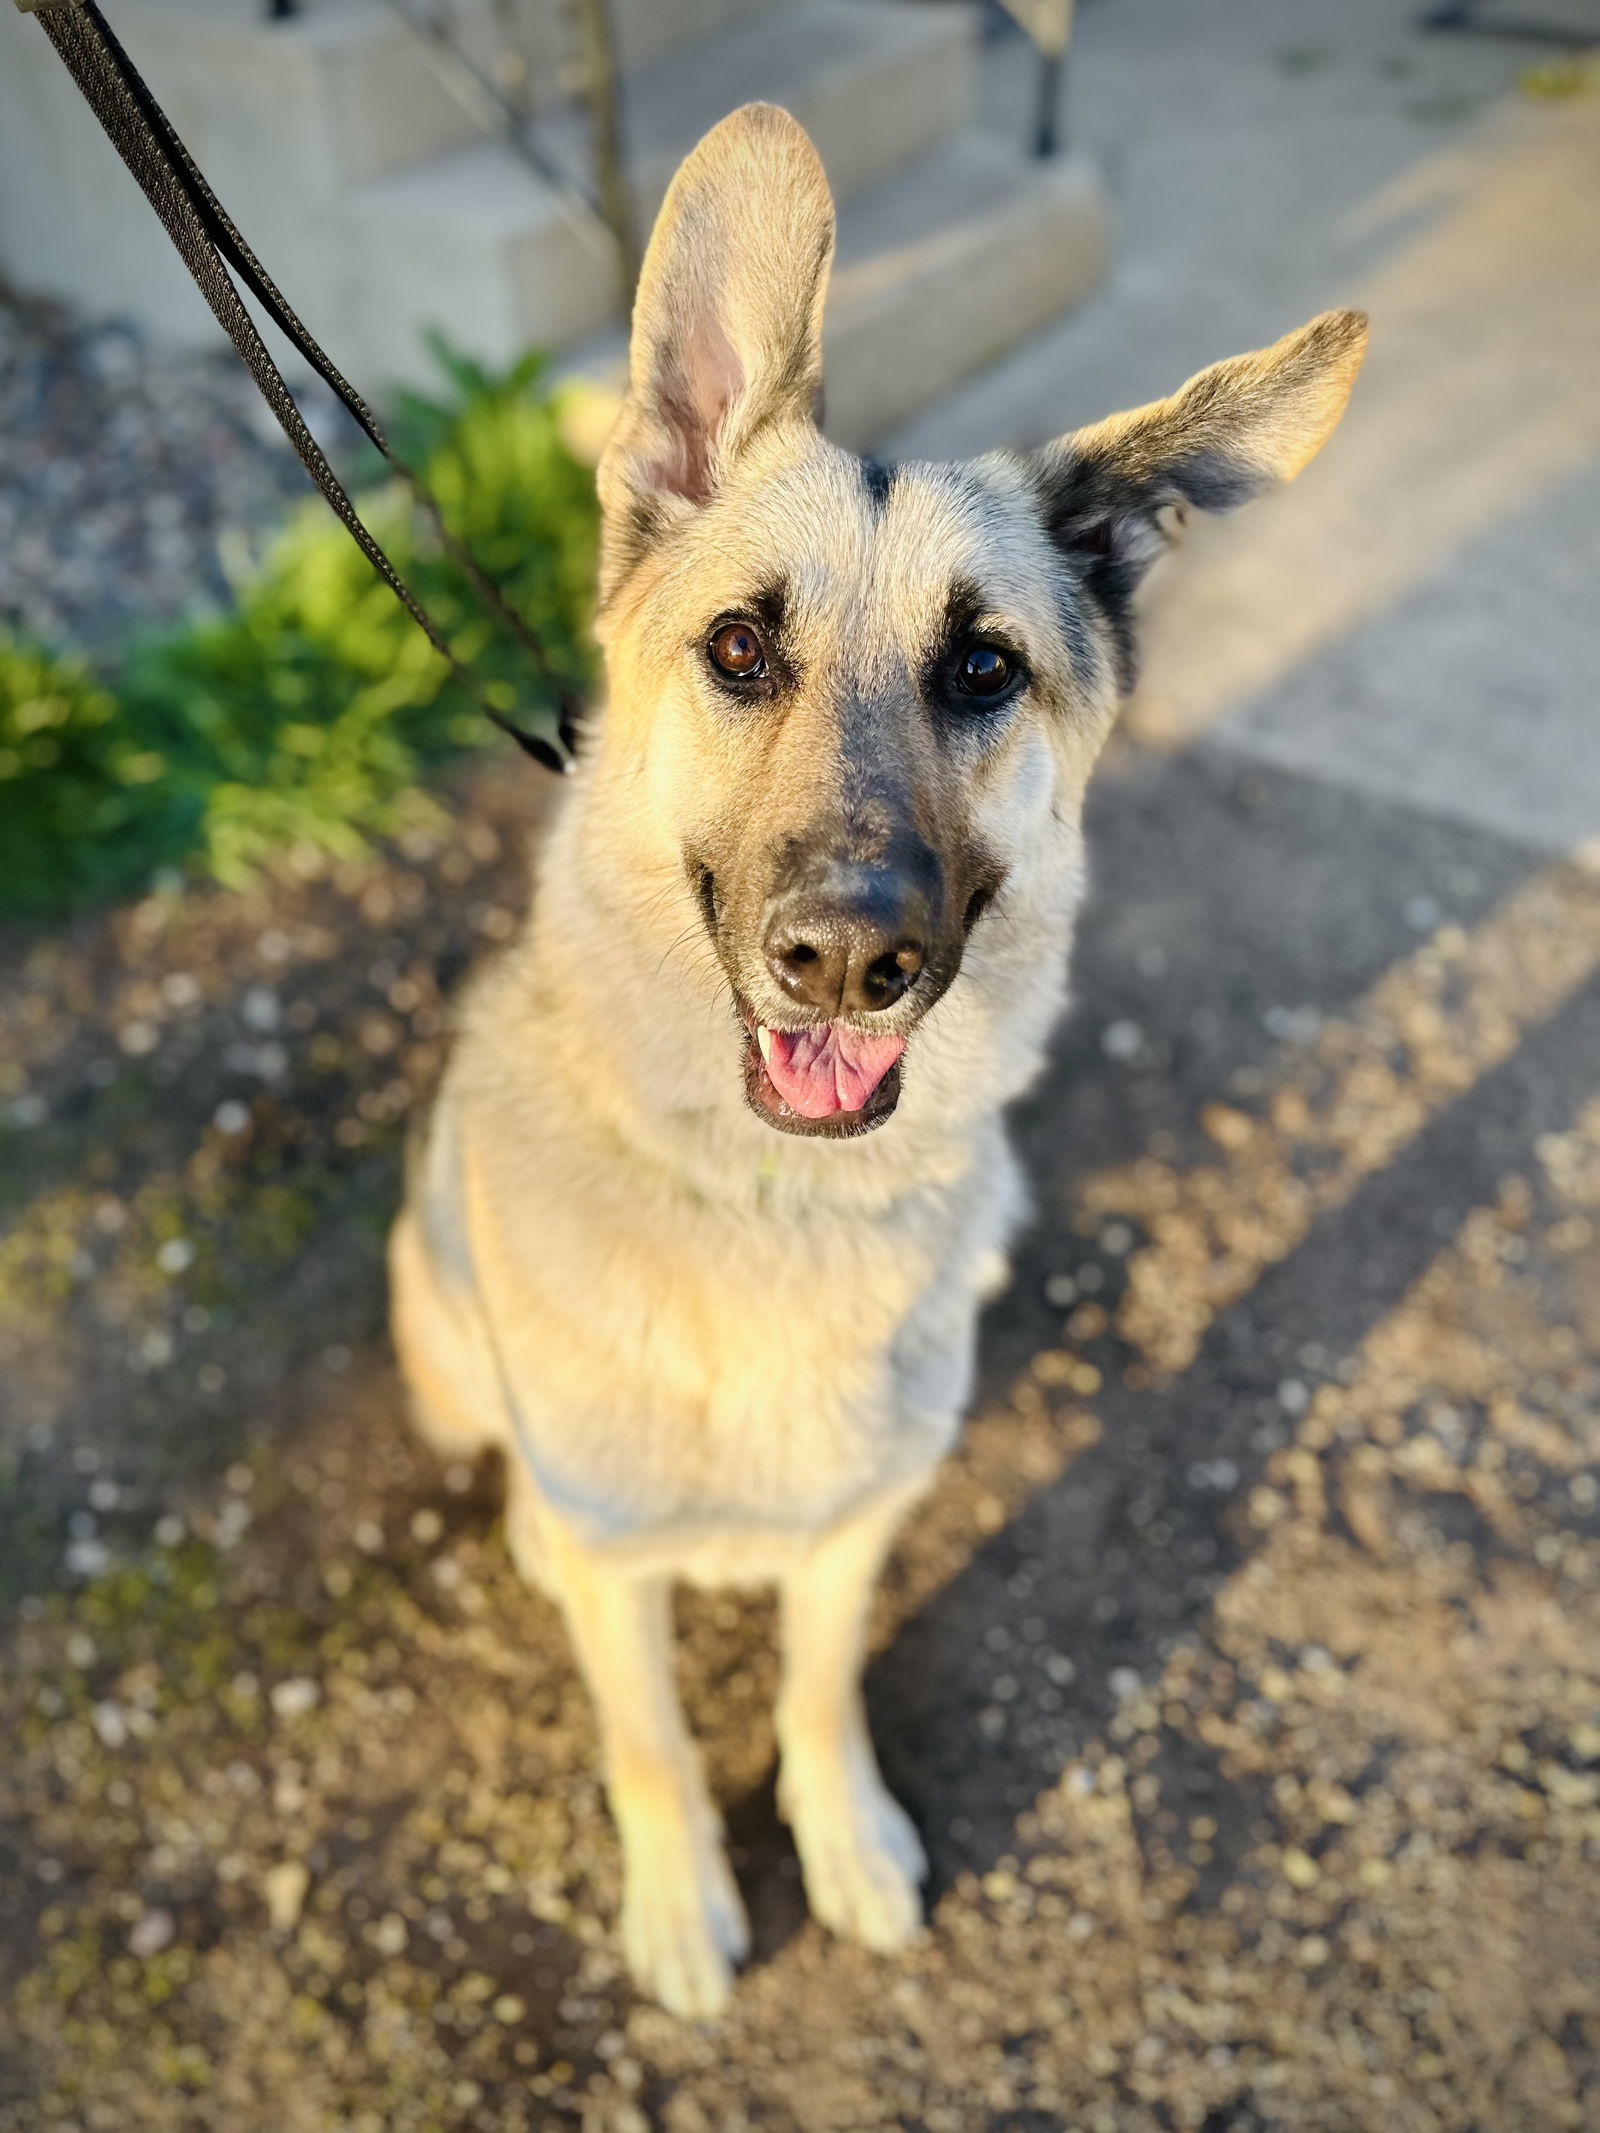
1273, 410
709, 1350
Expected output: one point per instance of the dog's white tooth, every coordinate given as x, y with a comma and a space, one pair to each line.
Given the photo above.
764, 1039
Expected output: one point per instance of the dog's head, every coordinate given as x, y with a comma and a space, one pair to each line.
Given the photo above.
861, 696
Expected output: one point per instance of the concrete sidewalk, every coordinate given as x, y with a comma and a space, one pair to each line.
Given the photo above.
1417, 617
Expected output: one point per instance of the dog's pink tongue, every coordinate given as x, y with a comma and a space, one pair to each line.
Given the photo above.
834, 1068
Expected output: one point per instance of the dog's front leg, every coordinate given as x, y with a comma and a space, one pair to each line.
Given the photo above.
683, 1925
862, 1859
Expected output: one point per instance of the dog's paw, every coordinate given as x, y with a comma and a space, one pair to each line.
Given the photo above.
863, 1862
683, 1927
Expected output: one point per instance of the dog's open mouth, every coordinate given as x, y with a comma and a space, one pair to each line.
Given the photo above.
831, 1080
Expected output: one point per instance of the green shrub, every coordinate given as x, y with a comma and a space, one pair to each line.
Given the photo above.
307, 713
79, 786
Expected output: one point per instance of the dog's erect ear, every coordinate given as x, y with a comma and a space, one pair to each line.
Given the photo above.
1232, 432
727, 323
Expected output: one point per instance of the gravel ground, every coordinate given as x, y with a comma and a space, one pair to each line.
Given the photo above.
132, 484
1241, 1672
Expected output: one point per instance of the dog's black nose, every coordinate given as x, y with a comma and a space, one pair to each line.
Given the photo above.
850, 948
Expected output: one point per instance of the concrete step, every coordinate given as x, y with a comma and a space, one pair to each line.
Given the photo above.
950, 247
478, 246
646, 30
874, 82
307, 105
945, 267
537, 39
643, 29
939, 272
354, 91
474, 242
277, 116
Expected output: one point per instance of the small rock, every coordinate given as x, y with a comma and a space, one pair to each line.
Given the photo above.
261, 1010
295, 1697
283, 1890
1300, 1870
110, 1725
232, 1522
152, 1931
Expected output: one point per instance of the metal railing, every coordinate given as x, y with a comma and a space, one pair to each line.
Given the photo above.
1050, 24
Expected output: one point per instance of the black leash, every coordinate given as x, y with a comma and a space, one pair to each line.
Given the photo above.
209, 245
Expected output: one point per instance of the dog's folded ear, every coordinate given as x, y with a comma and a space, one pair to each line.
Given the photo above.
1232, 432
727, 323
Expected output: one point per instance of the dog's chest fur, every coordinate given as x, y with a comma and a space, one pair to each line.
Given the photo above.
718, 1342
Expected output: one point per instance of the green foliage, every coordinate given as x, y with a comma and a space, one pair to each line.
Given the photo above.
307, 713
1573, 74
77, 785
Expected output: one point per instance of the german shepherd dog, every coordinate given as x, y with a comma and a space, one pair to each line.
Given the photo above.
718, 1179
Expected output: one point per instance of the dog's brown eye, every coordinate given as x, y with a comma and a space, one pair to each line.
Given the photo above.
986, 670
736, 651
